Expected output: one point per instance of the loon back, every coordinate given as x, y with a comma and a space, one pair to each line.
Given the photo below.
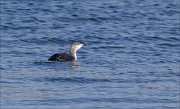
61, 57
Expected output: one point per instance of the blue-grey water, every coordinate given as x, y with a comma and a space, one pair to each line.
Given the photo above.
131, 60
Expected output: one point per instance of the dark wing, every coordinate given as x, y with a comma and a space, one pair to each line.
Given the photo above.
61, 57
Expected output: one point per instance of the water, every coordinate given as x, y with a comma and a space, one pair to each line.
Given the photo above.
131, 60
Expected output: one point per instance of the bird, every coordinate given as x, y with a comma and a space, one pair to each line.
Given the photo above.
72, 56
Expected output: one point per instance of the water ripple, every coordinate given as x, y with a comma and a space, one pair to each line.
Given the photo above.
131, 59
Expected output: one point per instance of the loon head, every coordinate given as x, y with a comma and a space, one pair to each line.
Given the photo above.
74, 48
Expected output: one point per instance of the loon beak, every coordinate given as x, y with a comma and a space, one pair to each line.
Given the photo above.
84, 44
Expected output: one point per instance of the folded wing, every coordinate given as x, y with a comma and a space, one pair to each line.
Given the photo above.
61, 57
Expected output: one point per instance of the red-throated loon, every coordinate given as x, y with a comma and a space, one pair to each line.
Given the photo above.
68, 57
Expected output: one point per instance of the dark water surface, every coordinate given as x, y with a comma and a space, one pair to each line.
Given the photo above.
131, 60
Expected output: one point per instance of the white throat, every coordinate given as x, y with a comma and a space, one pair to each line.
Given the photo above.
75, 56
73, 53
73, 50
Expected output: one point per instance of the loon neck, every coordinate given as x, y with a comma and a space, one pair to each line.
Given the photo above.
73, 53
